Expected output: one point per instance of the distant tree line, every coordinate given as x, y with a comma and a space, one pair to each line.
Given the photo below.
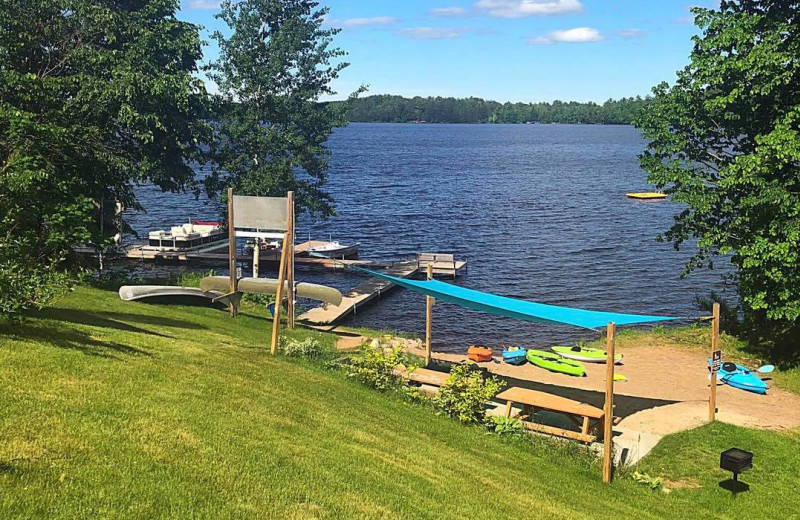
398, 109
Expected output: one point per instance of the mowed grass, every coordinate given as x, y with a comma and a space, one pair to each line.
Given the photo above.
111, 409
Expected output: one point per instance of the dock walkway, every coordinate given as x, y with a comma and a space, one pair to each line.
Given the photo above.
358, 296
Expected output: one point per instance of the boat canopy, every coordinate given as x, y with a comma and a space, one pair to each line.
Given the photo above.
514, 308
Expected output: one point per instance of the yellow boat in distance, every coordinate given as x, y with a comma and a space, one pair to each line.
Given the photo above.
647, 195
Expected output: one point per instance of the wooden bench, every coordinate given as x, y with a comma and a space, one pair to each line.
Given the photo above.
437, 259
585, 416
430, 380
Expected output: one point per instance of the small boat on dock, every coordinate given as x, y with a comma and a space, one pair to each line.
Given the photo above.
197, 235
333, 249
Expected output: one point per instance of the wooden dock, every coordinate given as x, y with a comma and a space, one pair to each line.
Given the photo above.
358, 296
442, 264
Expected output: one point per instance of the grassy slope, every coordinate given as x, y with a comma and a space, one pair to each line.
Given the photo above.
114, 409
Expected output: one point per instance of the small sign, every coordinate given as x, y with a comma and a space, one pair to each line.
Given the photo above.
716, 360
238, 272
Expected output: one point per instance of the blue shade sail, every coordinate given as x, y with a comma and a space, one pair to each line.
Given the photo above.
514, 308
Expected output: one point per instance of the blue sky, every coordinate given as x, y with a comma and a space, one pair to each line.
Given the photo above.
506, 50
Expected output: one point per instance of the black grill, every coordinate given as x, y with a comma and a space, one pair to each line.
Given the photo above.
736, 461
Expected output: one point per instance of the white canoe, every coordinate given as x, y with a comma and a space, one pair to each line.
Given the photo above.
132, 293
311, 291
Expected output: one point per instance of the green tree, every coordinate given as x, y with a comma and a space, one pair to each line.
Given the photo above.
94, 97
272, 69
723, 140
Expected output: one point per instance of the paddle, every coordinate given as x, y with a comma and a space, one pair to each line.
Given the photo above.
766, 369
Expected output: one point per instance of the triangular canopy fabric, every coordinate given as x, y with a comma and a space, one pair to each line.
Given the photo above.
513, 308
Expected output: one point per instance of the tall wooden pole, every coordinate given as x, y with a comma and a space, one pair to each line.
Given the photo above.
256, 255
231, 251
712, 398
276, 320
608, 420
428, 317
290, 259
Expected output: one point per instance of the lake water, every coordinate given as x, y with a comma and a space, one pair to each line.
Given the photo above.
539, 212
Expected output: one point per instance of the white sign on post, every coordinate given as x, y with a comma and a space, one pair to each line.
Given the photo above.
716, 360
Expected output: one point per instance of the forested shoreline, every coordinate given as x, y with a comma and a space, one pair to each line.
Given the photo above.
398, 109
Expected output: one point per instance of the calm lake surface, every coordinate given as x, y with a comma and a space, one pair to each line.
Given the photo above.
539, 212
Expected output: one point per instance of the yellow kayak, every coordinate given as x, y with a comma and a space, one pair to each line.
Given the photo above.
647, 195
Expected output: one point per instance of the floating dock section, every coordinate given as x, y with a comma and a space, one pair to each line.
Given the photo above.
358, 296
442, 265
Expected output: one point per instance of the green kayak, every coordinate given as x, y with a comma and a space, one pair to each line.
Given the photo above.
555, 363
587, 355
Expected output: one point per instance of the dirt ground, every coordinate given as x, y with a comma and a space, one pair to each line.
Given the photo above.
667, 389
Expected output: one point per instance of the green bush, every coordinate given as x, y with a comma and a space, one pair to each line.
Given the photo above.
506, 426
374, 366
465, 393
308, 348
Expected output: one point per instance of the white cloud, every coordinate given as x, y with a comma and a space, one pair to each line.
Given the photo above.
524, 8
204, 4
434, 33
576, 35
631, 33
364, 22
447, 12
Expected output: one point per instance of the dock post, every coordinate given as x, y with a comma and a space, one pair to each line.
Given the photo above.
276, 319
712, 397
256, 255
428, 317
608, 419
290, 258
231, 251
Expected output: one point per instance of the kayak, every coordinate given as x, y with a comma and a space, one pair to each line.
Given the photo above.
585, 354
479, 354
647, 195
515, 356
742, 378
555, 363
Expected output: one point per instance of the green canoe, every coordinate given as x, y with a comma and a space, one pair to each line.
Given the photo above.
555, 363
587, 355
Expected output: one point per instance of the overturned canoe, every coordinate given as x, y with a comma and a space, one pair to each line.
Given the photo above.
311, 291
167, 294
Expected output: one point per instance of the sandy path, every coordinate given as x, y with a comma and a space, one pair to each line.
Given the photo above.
656, 399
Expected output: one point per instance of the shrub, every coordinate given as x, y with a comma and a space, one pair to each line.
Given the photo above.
308, 348
465, 393
647, 480
506, 426
374, 366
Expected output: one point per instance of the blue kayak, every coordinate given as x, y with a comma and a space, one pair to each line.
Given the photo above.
515, 356
742, 378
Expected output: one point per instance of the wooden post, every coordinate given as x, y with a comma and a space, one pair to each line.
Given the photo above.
276, 320
608, 420
256, 255
428, 316
290, 259
712, 398
231, 251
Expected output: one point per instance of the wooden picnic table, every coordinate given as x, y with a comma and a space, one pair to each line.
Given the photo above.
585, 416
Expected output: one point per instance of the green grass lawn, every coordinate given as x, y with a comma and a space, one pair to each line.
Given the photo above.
111, 409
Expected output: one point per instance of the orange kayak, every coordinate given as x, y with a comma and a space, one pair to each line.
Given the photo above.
479, 354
